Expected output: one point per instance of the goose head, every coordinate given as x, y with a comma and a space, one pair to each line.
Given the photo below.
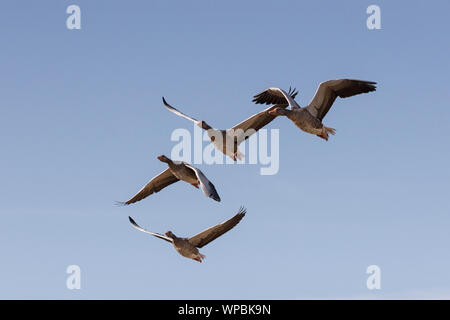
163, 158
202, 124
170, 234
279, 112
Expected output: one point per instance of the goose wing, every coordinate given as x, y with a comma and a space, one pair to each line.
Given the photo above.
277, 96
156, 184
179, 113
135, 225
207, 187
328, 91
257, 121
205, 237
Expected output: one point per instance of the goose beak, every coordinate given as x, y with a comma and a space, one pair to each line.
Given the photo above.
159, 158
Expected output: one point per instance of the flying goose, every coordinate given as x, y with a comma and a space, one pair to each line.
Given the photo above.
309, 118
177, 171
187, 247
235, 136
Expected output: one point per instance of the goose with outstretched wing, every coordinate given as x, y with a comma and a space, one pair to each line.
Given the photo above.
228, 141
175, 172
309, 118
188, 247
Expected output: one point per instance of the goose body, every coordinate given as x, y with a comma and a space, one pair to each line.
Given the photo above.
309, 118
176, 171
305, 121
182, 172
188, 247
227, 141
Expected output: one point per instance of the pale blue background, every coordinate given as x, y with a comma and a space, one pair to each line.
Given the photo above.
81, 124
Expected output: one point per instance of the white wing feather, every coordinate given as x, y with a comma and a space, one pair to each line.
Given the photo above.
179, 113
207, 187
135, 225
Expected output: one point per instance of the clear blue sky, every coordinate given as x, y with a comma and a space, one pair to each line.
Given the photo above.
81, 124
